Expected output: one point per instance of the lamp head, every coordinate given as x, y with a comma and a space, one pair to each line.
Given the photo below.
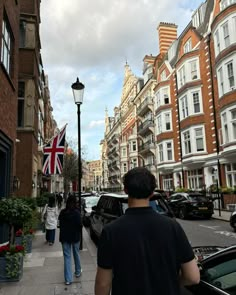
78, 91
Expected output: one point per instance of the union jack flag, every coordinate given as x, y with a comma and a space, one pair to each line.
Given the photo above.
54, 153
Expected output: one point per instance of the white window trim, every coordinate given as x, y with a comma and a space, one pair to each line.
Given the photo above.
165, 151
227, 138
220, 44
193, 140
186, 70
189, 94
161, 119
222, 77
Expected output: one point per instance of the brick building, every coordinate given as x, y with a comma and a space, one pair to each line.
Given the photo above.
9, 26
185, 112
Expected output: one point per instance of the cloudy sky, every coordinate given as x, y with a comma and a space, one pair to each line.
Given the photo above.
93, 39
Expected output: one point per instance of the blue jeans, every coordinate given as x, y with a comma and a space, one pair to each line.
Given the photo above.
50, 235
66, 248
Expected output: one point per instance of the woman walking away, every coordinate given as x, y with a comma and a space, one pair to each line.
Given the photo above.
70, 227
49, 216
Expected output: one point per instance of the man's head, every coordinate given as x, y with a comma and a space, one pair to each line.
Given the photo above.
139, 183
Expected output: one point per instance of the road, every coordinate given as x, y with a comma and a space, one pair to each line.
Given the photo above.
212, 232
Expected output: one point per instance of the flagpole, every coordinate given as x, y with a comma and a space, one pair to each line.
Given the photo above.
55, 135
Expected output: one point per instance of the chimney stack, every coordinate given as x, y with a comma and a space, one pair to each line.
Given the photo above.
167, 34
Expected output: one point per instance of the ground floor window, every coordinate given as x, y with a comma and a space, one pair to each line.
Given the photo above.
5, 165
195, 179
167, 182
230, 170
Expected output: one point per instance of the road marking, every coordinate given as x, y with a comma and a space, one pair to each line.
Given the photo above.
211, 227
226, 233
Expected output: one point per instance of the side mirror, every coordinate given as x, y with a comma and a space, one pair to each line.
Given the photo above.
94, 208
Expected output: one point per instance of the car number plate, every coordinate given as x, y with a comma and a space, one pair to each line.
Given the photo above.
202, 208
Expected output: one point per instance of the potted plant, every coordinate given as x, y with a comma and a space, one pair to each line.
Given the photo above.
25, 238
11, 262
14, 212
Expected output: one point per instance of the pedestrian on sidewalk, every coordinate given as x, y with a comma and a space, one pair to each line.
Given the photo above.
49, 217
143, 252
70, 229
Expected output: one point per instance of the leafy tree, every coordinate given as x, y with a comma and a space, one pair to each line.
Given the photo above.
70, 168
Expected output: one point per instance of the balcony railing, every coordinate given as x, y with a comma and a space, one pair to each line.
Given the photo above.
147, 146
145, 126
144, 105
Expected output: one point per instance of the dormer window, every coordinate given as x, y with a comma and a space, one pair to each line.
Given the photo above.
188, 46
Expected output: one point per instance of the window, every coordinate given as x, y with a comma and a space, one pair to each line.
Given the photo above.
196, 102
164, 122
6, 45
199, 139
233, 122
160, 151
230, 72
169, 151
159, 129
228, 122
195, 179
165, 151
187, 143
21, 104
163, 75
167, 182
226, 34
221, 81
231, 174
184, 106
217, 42
226, 3
193, 67
124, 152
225, 128
188, 45
167, 121
163, 96
193, 140
166, 96
182, 76
133, 146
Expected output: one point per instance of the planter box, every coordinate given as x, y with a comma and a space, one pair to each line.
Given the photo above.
25, 241
4, 277
4, 233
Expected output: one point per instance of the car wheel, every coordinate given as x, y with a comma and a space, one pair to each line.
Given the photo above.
208, 216
233, 223
182, 213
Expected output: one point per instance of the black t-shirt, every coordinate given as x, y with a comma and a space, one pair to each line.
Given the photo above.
145, 250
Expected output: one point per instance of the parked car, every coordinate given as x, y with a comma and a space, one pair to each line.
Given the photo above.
233, 220
111, 206
218, 273
191, 204
87, 204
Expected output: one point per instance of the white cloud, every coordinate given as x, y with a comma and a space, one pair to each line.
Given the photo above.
96, 123
92, 40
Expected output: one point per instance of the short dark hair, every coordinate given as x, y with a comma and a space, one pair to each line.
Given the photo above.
139, 183
71, 202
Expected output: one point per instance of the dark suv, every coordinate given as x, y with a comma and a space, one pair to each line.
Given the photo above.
111, 206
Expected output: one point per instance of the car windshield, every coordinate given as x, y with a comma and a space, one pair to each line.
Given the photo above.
198, 198
91, 201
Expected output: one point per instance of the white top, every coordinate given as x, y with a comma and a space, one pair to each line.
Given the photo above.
52, 216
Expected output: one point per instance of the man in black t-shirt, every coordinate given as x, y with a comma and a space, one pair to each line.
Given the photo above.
143, 252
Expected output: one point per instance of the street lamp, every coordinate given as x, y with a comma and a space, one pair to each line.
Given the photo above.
78, 93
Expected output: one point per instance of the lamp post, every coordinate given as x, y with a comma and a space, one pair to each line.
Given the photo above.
78, 93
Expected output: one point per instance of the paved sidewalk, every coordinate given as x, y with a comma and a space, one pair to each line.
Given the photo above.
222, 214
43, 270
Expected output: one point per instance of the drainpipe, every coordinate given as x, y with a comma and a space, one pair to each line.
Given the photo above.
219, 181
180, 139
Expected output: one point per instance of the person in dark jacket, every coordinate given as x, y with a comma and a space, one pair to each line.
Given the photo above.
70, 228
